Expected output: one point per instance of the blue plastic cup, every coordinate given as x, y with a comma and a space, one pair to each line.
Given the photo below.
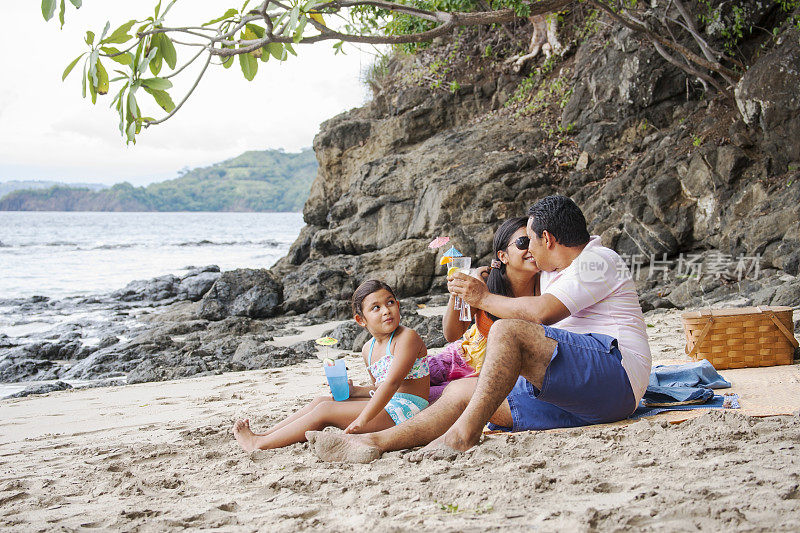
337, 380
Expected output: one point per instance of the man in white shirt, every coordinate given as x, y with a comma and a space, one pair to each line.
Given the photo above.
576, 355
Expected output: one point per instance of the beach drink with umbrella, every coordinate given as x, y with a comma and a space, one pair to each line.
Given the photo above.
461, 264
335, 371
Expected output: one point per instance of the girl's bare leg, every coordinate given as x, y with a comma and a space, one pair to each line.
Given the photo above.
324, 414
291, 418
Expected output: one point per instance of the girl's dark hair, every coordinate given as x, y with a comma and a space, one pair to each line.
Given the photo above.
498, 281
364, 290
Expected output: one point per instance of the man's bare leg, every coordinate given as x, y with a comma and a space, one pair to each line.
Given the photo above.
514, 348
431, 423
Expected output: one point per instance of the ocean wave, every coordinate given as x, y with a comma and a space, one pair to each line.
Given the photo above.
113, 246
32, 244
271, 243
205, 242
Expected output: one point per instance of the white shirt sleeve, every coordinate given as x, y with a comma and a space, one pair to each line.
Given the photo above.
589, 279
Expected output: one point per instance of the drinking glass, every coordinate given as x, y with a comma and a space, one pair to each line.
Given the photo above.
337, 380
462, 264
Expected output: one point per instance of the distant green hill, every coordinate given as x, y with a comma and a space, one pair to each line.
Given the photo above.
269, 180
14, 185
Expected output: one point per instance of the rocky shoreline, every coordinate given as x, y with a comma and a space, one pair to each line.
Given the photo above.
209, 322
205, 322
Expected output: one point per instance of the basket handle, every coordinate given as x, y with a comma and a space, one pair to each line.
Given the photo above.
700, 338
786, 333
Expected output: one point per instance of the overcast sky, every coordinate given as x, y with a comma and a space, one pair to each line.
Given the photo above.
47, 131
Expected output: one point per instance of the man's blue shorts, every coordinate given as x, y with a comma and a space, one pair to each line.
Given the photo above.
584, 384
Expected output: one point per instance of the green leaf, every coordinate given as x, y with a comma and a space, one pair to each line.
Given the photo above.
249, 66
276, 50
123, 58
143, 65
92, 88
168, 51
158, 9
89, 38
256, 32
120, 35
130, 132
117, 98
159, 84
71, 66
290, 49
155, 63
298, 34
93, 57
228, 61
162, 98
77, 3
61, 13
105, 31
133, 107
48, 8
169, 6
83, 90
102, 78
293, 18
229, 13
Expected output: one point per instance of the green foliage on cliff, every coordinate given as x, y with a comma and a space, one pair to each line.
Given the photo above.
254, 181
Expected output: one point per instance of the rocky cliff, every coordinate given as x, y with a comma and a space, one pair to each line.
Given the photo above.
668, 175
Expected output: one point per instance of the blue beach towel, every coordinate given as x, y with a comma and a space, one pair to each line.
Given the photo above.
683, 387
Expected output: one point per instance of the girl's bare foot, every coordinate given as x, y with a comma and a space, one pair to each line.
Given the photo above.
244, 436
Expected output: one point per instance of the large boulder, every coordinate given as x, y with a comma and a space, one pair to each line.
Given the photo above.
622, 81
153, 290
197, 282
768, 97
254, 293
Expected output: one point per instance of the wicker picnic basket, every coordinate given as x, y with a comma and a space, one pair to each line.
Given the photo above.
741, 337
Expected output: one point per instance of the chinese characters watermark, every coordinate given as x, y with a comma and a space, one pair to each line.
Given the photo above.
715, 264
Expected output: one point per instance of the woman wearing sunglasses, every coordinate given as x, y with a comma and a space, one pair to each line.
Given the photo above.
513, 273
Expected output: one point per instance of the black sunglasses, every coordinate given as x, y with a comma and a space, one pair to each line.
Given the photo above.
522, 243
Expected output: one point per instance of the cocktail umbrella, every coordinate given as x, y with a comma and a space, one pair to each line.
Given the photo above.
452, 252
327, 342
438, 242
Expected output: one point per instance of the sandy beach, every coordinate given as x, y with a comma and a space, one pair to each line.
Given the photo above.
160, 456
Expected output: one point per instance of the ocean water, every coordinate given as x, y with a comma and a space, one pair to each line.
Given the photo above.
75, 254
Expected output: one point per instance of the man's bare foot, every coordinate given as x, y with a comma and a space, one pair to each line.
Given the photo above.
343, 447
244, 436
445, 448
437, 450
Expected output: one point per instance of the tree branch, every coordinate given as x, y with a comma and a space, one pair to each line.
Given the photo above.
186, 97
637, 26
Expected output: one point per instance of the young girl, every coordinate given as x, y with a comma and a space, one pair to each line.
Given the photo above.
396, 359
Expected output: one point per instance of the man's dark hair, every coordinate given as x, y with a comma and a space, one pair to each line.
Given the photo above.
561, 218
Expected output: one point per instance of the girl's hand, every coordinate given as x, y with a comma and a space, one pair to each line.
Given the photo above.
357, 426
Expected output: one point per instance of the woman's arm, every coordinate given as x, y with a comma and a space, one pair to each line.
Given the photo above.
409, 346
